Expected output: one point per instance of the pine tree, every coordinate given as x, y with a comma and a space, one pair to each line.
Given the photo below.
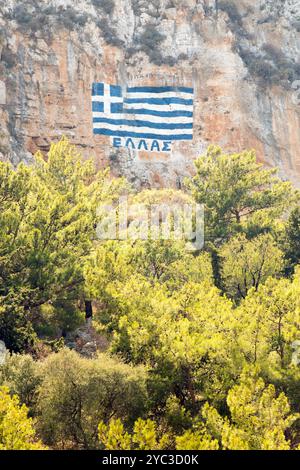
16, 429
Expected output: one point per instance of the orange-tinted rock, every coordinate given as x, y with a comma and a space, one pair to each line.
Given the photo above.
48, 89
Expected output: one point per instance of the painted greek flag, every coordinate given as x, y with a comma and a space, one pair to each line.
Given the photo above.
143, 112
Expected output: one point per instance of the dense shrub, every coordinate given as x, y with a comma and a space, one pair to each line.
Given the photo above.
284, 68
16, 429
207, 9
183, 56
150, 38
231, 10
263, 69
8, 57
297, 70
15, 330
22, 15
109, 34
137, 7
50, 10
21, 374
261, 253
291, 241
271, 65
265, 19
272, 51
76, 393
35, 18
70, 18
169, 60
161, 308
106, 5
51, 260
2, 36
155, 57
255, 64
296, 25
57, 318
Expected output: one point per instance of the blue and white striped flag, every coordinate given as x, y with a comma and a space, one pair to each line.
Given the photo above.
143, 112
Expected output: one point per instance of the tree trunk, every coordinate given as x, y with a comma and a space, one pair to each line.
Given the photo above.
88, 311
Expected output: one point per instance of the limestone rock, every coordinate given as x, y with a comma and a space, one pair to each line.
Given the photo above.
241, 57
2, 93
89, 349
3, 352
86, 341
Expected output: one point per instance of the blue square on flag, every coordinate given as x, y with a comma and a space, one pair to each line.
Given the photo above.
98, 89
116, 107
106, 99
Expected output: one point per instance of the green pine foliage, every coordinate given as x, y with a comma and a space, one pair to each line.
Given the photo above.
196, 350
47, 218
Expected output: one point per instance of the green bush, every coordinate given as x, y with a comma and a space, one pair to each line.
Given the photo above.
150, 38
137, 7
15, 329
155, 57
50, 10
21, 374
270, 65
70, 18
106, 5
263, 69
150, 41
266, 19
183, 56
231, 10
272, 51
36, 18
58, 317
76, 393
8, 57
109, 34
284, 68
22, 15
296, 25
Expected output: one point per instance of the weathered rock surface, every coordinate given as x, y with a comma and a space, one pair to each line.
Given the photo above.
86, 341
3, 352
242, 58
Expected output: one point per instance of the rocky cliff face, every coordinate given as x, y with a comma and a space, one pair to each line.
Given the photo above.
241, 57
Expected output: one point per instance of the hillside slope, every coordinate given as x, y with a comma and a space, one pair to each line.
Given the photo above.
242, 58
